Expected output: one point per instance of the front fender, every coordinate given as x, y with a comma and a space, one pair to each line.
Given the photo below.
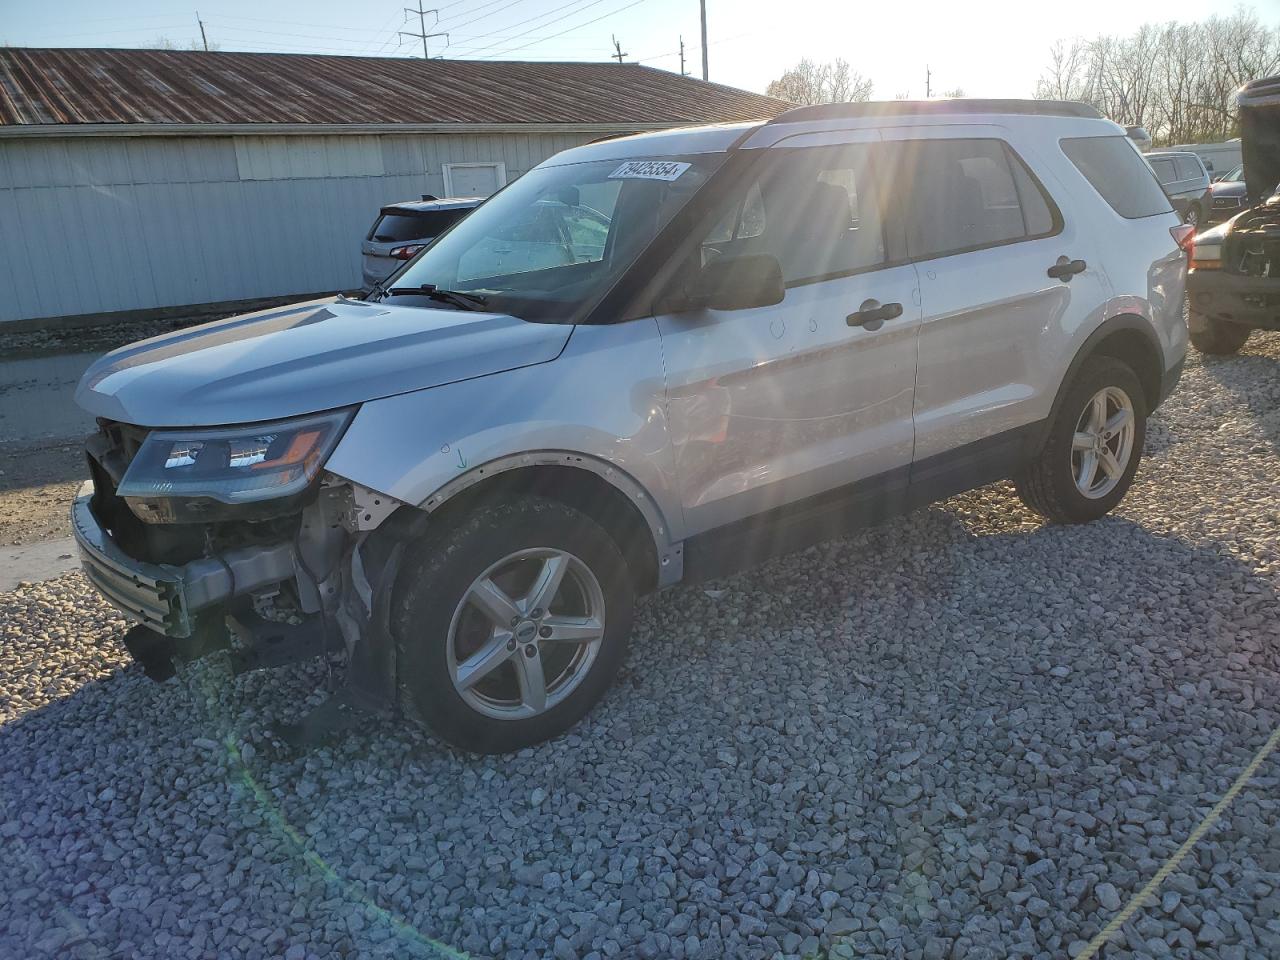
603, 399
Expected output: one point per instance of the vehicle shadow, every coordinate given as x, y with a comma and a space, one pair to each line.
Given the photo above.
888, 709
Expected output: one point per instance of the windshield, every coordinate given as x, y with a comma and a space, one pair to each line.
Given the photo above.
551, 244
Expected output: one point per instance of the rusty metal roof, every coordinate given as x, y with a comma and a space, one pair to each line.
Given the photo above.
71, 86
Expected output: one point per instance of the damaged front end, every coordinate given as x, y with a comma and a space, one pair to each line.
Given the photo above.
299, 564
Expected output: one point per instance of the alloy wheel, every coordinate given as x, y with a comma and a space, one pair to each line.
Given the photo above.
525, 634
1103, 442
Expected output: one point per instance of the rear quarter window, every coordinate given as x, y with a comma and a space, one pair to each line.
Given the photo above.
1115, 169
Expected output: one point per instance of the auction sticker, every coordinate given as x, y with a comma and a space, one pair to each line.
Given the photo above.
649, 170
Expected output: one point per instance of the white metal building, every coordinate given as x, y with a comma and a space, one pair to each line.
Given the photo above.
135, 180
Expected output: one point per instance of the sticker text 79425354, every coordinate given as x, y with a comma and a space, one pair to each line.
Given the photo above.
649, 170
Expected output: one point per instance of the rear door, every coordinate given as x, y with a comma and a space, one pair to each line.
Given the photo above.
773, 405
983, 232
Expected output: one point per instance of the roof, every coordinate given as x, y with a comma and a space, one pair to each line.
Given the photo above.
944, 107
79, 87
425, 206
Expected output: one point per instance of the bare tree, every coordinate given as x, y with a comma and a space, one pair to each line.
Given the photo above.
954, 92
809, 83
1178, 80
164, 43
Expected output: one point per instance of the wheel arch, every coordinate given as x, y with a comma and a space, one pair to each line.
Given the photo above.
607, 494
1130, 338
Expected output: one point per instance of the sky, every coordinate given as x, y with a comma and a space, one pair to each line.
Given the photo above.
986, 49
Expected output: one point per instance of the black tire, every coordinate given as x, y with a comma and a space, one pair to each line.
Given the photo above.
1047, 485
437, 573
1193, 215
1217, 337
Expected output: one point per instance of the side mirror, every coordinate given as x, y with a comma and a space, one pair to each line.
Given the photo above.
731, 283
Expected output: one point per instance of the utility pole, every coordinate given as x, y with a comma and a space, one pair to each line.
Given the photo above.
683, 71
422, 27
928, 88
203, 38
617, 47
705, 72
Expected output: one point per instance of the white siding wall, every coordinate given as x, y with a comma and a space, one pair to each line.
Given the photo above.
96, 224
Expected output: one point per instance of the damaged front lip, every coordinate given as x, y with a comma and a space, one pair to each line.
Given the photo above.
167, 597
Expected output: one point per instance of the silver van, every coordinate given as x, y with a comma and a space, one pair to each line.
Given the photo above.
648, 361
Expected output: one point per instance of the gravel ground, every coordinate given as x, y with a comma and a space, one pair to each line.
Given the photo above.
37, 485
961, 734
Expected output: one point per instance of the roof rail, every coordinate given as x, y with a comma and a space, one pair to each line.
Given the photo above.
926, 108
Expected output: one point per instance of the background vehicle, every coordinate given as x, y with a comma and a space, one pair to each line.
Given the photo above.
1185, 182
1227, 196
402, 229
650, 359
1234, 282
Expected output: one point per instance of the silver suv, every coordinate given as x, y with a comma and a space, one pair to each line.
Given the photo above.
714, 346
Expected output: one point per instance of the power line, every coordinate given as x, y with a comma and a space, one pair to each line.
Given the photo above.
634, 3
580, 7
484, 16
422, 28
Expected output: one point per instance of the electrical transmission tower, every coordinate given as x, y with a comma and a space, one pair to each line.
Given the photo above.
422, 27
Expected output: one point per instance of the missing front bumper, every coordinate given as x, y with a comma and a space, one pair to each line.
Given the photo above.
168, 598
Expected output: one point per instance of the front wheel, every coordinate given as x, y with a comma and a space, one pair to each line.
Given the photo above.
511, 624
1093, 448
1217, 337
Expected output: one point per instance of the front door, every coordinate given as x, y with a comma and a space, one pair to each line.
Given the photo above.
773, 405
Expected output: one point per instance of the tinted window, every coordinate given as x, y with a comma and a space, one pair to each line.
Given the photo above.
1115, 169
814, 210
1164, 170
967, 194
397, 227
1186, 168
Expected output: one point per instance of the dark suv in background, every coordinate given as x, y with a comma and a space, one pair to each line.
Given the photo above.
1185, 182
402, 229
1234, 280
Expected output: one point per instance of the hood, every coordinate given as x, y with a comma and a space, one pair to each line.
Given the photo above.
1259, 103
1227, 188
304, 358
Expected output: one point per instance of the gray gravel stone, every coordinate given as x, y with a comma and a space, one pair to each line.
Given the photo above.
960, 734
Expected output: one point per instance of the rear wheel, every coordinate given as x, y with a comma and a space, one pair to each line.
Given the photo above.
1218, 337
1192, 216
1093, 448
511, 624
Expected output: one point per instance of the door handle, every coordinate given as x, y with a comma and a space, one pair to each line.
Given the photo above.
1066, 268
872, 314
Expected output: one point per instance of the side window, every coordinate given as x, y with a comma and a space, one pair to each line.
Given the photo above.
1164, 170
1187, 169
967, 194
814, 209
1114, 168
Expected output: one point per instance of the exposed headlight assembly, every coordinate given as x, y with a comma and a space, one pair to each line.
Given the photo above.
254, 471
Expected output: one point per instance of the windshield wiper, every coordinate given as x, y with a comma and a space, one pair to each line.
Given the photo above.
456, 298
